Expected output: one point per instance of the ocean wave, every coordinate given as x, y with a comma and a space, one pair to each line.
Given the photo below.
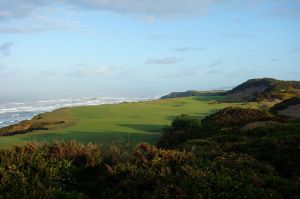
26, 110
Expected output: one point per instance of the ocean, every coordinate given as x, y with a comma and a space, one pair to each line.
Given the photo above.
14, 112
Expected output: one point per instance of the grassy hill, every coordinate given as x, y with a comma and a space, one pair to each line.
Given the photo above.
265, 89
190, 93
133, 122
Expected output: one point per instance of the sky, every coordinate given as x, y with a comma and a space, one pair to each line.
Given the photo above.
76, 48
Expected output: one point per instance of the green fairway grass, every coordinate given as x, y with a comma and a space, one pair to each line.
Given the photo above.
129, 122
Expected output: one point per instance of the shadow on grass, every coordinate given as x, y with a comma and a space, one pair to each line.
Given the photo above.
196, 115
208, 98
95, 137
144, 127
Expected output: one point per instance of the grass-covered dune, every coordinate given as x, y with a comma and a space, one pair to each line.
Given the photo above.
253, 90
133, 122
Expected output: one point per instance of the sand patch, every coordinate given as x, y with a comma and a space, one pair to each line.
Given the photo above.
254, 125
291, 111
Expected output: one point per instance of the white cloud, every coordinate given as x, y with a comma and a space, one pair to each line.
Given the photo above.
16, 9
184, 49
148, 7
164, 60
47, 27
22, 10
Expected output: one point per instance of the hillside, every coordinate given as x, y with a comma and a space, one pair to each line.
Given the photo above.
265, 89
289, 108
257, 90
190, 93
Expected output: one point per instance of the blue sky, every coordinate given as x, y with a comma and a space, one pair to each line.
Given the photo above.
143, 47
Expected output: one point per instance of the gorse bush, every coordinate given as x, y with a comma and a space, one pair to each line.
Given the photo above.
191, 160
197, 169
235, 117
183, 128
270, 153
184, 122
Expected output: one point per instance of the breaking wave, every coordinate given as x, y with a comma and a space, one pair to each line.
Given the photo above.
14, 112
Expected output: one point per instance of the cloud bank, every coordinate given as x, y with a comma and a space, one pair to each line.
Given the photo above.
13, 9
16, 9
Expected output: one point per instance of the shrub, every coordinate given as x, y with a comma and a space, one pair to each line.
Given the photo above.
200, 169
184, 122
183, 128
236, 117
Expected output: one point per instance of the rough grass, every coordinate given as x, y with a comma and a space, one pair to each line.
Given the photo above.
130, 122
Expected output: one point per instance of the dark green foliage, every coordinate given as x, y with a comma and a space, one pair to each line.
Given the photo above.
278, 145
200, 169
236, 117
183, 128
204, 162
238, 172
185, 121
45, 171
285, 104
272, 152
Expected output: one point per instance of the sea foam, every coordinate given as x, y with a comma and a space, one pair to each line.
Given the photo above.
14, 112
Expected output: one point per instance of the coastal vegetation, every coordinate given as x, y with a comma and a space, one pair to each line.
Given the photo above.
187, 147
209, 163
